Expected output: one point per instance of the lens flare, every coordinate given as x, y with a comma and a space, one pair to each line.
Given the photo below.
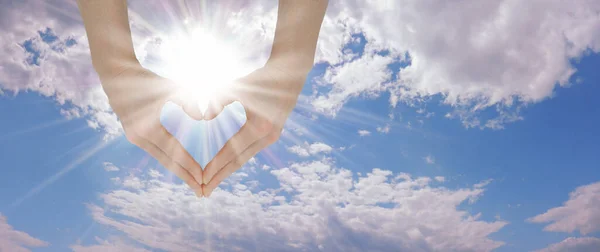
201, 63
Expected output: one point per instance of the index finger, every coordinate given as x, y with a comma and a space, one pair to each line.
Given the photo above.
168, 163
166, 142
234, 165
248, 134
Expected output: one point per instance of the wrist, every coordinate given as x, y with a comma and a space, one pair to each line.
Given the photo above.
292, 63
112, 68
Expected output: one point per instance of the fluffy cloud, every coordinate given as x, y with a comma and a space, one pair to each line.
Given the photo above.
299, 150
115, 245
476, 54
364, 133
364, 76
110, 167
44, 50
16, 241
579, 213
316, 207
306, 149
429, 159
572, 244
384, 129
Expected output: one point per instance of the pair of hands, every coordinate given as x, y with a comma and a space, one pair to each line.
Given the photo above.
268, 95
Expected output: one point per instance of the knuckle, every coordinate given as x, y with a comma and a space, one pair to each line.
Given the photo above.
148, 131
141, 130
133, 138
189, 180
180, 157
264, 127
236, 164
273, 137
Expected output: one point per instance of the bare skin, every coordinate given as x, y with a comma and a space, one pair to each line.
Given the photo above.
270, 93
137, 95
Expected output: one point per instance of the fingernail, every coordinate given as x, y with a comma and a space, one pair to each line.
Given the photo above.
207, 193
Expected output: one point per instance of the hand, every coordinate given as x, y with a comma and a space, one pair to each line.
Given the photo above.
268, 95
137, 96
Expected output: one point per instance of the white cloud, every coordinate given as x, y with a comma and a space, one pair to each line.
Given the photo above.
440, 179
573, 244
110, 167
385, 129
16, 241
429, 159
579, 213
324, 208
319, 147
306, 149
155, 173
483, 184
133, 182
115, 245
299, 150
59, 69
499, 53
364, 76
364, 133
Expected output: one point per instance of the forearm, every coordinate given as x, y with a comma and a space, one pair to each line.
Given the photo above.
296, 33
107, 26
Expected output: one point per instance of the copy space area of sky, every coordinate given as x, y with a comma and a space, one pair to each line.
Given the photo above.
424, 126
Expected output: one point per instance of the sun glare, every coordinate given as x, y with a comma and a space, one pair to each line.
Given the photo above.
201, 63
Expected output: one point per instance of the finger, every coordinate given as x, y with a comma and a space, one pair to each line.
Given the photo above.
218, 103
248, 134
188, 105
162, 139
169, 164
234, 165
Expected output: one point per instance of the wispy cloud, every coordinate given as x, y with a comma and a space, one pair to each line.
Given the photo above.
429, 159
306, 149
363, 133
16, 241
460, 70
573, 244
110, 167
579, 213
384, 129
112, 245
318, 206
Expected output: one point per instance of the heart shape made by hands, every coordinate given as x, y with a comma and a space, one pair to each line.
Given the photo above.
203, 139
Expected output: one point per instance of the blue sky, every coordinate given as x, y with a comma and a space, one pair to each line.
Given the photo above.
415, 169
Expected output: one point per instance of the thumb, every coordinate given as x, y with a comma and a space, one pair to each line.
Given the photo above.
188, 106
217, 104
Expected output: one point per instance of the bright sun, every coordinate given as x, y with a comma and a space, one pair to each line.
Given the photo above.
201, 63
